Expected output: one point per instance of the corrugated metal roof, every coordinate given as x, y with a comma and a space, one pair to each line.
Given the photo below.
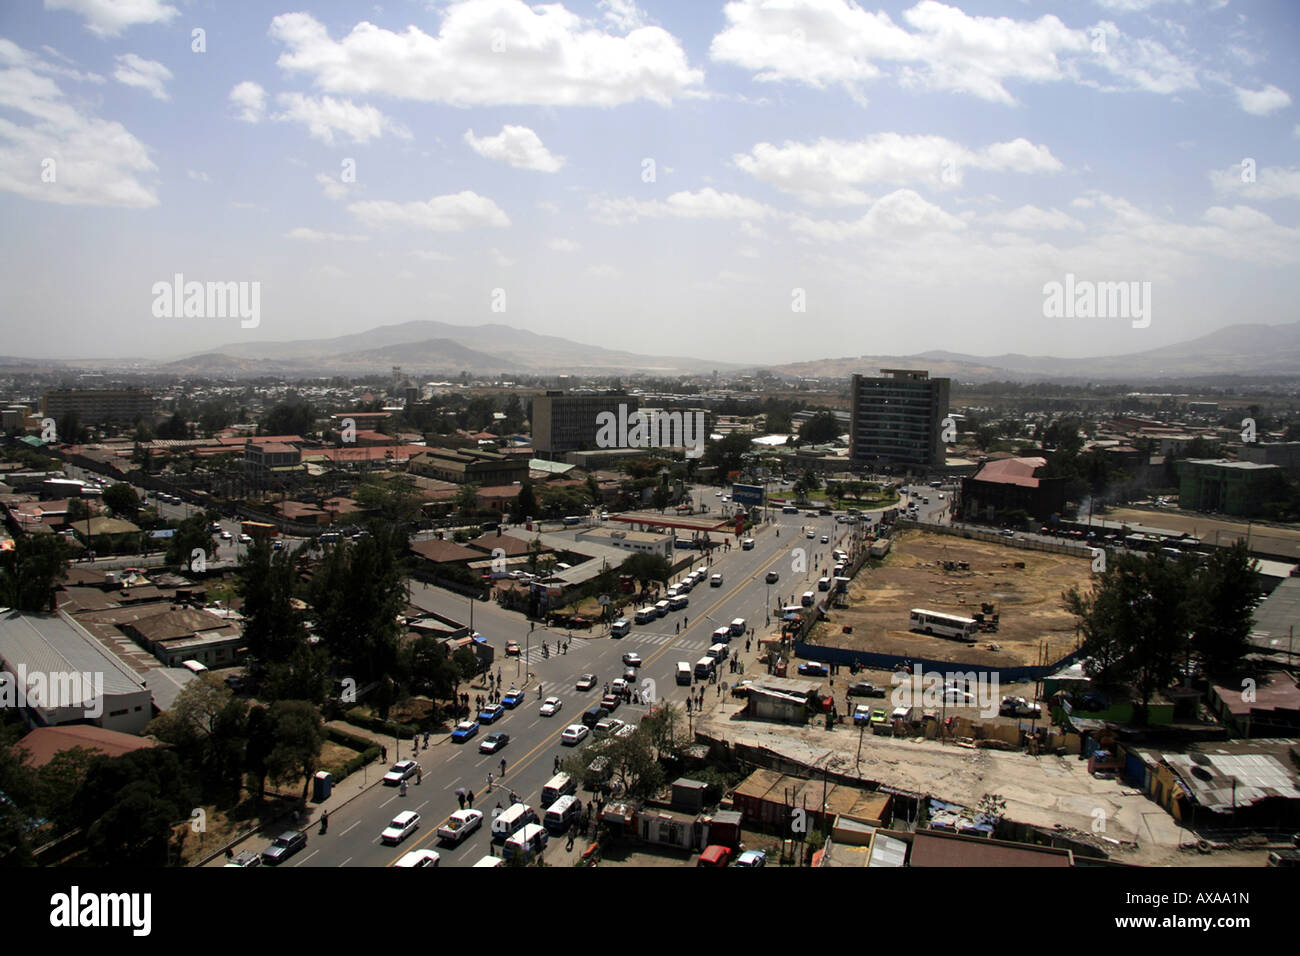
57, 644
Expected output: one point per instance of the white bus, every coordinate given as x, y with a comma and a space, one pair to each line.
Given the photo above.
944, 625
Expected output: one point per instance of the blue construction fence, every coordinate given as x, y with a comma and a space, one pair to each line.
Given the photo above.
892, 662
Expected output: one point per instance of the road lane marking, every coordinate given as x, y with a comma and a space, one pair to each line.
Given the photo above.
351, 828
346, 862
306, 858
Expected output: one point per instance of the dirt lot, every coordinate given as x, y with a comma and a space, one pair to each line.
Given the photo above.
1028, 601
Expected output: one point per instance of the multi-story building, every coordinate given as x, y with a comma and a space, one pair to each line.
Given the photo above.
896, 420
1012, 485
93, 406
564, 423
263, 460
469, 465
1227, 487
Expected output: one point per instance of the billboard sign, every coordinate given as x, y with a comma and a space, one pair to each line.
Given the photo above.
747, 494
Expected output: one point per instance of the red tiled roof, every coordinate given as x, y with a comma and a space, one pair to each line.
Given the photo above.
1012, 471
44, 742
444, 551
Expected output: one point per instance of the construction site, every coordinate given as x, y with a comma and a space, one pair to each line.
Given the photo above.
1013, 594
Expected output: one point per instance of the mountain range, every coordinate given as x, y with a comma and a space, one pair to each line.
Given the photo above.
1253, 350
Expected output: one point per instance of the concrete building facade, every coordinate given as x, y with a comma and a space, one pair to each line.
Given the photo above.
896, 420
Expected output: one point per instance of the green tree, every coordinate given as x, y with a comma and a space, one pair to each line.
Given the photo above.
299, 735
1226, 593
123, 501
31, 570
823, 427
128, 806
273, 627
525, 503
293, 417
467, 499
193, 533
645, 567
1136, 623
728, 454
358, 594
208, 728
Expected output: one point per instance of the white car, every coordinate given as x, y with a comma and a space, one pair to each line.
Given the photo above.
715, 581
811, 533
403, 825
245, 539
632, 659
419, 858
551, 706
460, 825
618, 686
574, 734
402, 770
826, 539
226, 535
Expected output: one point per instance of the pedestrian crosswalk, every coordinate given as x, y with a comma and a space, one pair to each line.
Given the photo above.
657, 639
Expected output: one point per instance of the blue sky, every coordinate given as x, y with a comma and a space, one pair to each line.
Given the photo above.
669, 177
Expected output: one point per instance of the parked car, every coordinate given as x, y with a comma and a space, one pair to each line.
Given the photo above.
861, 714
826, 539
245, 858
402, 770
551, 706
491, 713
620, 684
752, 858
512, 648
493, 742
460, 825
283, 847
813, 669
574, 734
513, 698
864, 688
610, 702
586, 682
715, 581
403, 825
879, 717
464, 731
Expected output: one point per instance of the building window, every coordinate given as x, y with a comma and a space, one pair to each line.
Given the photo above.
117, 713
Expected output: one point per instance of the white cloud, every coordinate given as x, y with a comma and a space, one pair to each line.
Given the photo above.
1270, 182
495, 52
828, 171
500, 258
11, 54
250, 98
92, 161
325, 115
108, 18
313, 235
431, 255
547, 205
333, 188
902, 214
450, 213
148, 75
1262, 102
836, 42
1032, 219
706, 203
517, 145
198, 176
624, 15
604, 271
562, 245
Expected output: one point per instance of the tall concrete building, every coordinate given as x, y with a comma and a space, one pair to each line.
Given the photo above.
897, 420
99, 405
563, 423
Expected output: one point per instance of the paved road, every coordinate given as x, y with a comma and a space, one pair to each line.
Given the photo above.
353, 838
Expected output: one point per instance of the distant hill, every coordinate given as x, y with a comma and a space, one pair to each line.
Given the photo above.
430, 344
1252, 349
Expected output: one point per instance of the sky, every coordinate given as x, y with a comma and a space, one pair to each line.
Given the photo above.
759, 181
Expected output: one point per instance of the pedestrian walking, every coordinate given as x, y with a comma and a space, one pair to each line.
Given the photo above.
419, 775
557, 763
489, 786
469, 799
460, 798
403, 788
383, 754
685, 620
677, 628
503, 766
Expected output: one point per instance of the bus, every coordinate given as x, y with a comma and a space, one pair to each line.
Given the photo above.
255, 528
1142, 542
944, 625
